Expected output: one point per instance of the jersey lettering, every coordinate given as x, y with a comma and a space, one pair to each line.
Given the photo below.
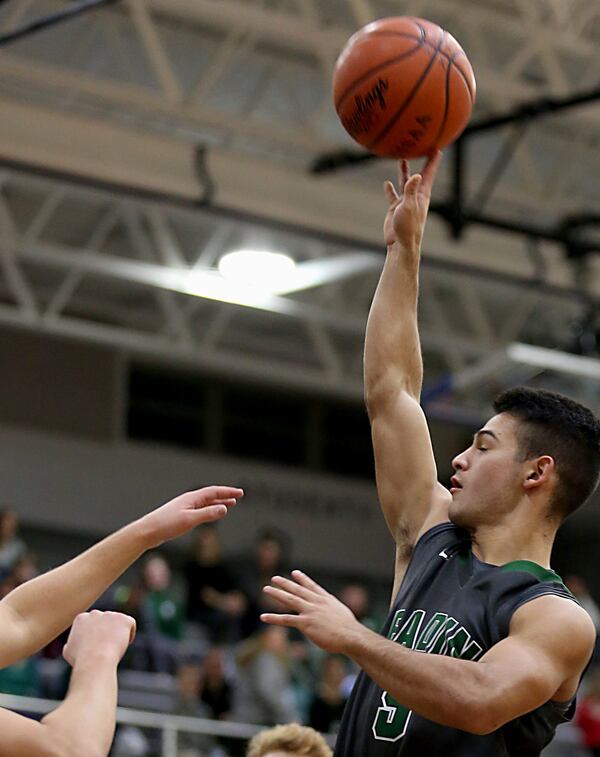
440, 635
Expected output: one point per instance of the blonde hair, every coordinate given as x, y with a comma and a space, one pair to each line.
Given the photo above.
293, 738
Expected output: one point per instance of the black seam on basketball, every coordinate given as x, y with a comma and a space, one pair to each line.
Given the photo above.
371, 72
446, 110
390, 124
464, 76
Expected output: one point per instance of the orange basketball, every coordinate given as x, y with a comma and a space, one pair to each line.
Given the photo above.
403, 87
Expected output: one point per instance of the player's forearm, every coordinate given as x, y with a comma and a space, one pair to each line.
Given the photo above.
392, 347
84, 723
445, 690
47, 605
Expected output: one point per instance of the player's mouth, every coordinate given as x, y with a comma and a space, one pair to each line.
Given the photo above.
456, 485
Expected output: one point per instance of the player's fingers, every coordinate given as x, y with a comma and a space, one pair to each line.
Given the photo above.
430, 170
290, 601
227, 502
289, 621
390, 192
292, 587
308, 582
208, 514
412, 186
403, 174
211, 494
132, 630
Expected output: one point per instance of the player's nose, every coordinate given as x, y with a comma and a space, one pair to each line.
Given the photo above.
460, 461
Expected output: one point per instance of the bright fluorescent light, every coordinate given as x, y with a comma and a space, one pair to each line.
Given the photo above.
267, 272
554, 360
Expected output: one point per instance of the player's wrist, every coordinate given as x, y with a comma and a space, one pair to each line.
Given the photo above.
100, 657
355, 640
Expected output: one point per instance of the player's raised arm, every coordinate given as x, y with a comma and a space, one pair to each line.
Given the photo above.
36, 612
393, 367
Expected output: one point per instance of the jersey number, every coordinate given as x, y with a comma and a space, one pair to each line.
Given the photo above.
391, 720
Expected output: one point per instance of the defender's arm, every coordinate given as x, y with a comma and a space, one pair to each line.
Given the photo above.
39, 610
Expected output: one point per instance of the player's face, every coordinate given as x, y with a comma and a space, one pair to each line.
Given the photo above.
486, 485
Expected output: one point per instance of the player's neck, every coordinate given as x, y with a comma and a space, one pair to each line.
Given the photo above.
509, 541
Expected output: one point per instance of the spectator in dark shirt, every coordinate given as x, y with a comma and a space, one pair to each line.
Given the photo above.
329, 701
269, 559
216, 689
214, 599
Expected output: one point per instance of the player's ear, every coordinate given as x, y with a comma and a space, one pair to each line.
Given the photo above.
539, 472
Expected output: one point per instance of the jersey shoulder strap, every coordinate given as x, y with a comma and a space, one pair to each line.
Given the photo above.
520, 582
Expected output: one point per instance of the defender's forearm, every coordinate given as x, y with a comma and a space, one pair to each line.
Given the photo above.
392, 347
47, 605
85, 722
442, 689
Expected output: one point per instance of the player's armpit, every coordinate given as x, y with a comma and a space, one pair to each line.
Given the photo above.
550, 643
405, 467
23, 737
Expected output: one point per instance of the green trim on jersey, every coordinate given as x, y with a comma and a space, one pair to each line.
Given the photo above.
527, 566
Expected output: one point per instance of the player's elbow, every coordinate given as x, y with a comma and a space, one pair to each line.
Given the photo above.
479, 711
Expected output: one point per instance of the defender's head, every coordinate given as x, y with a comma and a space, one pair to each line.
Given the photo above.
539, 445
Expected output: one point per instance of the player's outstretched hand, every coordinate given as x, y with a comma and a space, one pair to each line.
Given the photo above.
180, 515
326, 621
408, 205
99, 633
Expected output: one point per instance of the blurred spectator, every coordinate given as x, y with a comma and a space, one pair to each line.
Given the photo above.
356, 597
587, 716
158, 607
328, 704
263, 693
214, 599
25, 568
579, 589
269, 559
11, 547
216, 689
22, 678
294, 740
189, 703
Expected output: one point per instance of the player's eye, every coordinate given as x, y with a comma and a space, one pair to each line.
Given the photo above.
482, 449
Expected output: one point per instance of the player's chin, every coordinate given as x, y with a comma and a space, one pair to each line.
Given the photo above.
458, 513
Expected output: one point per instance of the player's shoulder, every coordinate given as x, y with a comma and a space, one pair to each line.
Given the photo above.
556, 614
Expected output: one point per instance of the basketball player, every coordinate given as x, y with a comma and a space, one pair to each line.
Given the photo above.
36, 612
485, 646
289, 741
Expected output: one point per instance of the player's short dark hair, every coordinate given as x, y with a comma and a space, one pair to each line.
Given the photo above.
555, 425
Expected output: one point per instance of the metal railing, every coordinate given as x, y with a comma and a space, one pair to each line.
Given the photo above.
169, 725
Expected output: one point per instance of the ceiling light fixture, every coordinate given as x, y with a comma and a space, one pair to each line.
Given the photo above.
260, 270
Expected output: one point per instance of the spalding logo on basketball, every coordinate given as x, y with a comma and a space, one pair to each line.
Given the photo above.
403, 87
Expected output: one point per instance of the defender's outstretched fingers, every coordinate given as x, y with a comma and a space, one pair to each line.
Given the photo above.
289, 621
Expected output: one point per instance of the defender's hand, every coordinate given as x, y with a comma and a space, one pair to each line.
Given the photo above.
187, 511
407, 212
326, 621
99, 633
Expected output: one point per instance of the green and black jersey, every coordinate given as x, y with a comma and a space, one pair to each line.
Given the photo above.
453, 604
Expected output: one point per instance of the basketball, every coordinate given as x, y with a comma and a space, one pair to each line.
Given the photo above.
403, 87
